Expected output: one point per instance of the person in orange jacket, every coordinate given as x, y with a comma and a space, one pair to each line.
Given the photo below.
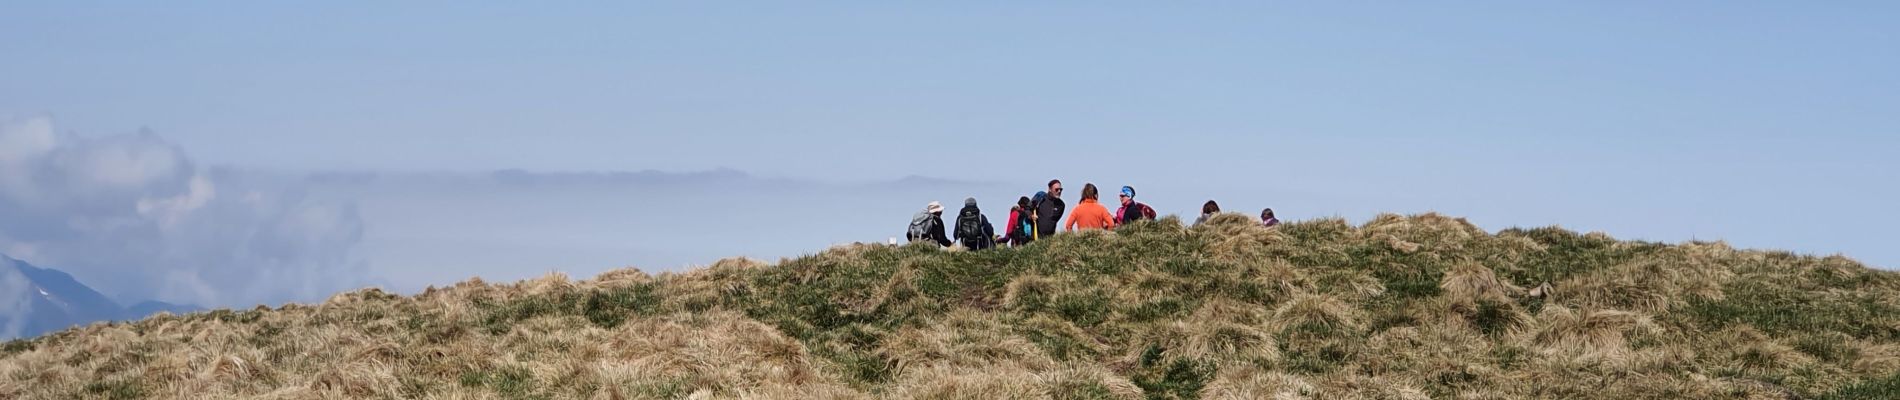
1090, 214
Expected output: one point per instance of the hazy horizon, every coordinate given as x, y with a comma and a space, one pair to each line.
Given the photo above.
330, 231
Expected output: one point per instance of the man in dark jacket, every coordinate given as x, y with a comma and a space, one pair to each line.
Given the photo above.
973, 229
1049, 211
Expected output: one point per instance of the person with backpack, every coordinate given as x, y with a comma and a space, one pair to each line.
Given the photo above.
1132, 210
1049, 210
973, 229
1208, 211
928, 225
1267, 219
1020, 225
1090, 214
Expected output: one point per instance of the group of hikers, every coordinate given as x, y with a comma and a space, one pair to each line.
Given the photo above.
1037, 216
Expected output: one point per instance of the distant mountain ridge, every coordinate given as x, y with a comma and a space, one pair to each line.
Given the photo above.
38, 300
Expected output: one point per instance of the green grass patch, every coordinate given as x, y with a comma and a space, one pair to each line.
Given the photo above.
605, 308
1885, 388
1176, 379
1569, 254
1084, 309
1776, 308
510, 382
611, 307
116, 389
16, 346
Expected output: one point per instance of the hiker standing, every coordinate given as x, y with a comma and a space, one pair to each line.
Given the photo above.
973, 229
927, 225
1090, 214
1049, 210
1208, 211
1017, 233
1132, 210
1034, 228
1267, 219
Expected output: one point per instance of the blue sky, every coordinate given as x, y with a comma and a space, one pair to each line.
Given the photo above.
1767, 124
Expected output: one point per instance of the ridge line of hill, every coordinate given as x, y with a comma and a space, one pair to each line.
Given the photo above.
1404, 307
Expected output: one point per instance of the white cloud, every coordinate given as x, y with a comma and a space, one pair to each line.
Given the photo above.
121, 162
169, 211
20, 139
132, 216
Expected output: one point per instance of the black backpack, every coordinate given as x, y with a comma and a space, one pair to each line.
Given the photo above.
1025, 227
970, 226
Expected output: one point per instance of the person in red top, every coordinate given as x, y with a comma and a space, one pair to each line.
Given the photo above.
1014, 234
1090, 214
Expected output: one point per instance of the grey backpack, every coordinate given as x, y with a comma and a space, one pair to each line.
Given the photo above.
920, 226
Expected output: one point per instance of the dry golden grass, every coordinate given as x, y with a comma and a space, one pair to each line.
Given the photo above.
1402, 307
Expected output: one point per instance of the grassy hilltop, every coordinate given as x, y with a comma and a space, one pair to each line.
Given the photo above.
1403, 307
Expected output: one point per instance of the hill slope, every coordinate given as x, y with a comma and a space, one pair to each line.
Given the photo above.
1402, 307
